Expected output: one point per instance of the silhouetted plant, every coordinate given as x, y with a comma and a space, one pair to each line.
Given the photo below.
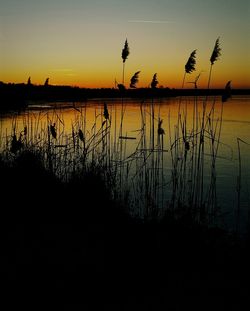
216, 52
80, 134
46, 83
214, 57
121, 87
182, 120
125, 54
160, 129
125, 51
154, 81
16, 144
53, 130
190, 65
195, 81
25, 130
105, 111
239, 182
227, 92
187, 148
134, 80
187, 145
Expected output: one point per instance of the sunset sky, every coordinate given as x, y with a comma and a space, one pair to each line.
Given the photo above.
79, 42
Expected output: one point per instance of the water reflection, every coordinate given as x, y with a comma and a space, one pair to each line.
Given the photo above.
151, 169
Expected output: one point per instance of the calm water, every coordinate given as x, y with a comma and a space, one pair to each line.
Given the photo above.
89, 117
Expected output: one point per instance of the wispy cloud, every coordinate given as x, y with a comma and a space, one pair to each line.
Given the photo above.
149, 21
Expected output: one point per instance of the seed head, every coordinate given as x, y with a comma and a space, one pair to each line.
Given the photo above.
227, 92
154, 81
105, 111
190, 65
134, 80
216, 52
125, 51
53, 130
160, 129
80, 134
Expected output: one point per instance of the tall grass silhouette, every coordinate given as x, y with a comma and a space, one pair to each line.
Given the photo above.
139, 177
125, 54
134, 80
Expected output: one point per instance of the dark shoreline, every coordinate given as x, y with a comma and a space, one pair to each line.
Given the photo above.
16, 96
71, 244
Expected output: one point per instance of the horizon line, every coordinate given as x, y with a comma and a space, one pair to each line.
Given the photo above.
142, 87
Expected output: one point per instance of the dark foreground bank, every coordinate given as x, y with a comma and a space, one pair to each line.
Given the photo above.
70, 244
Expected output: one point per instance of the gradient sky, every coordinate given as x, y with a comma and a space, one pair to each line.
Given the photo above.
79, 42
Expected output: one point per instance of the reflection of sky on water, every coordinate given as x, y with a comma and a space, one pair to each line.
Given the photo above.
236, 116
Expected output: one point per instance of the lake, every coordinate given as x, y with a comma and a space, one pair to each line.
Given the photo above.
161, 153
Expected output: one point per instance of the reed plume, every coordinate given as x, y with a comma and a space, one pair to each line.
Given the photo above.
190, 65
80, 134
134, 80
121, 87
53, 130
227, 92
125, 54
125, 51
160, 129
105, 111
154, 81
214, 57
216, 52
46, 83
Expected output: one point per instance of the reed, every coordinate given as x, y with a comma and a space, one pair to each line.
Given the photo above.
122, 88
180, 147
134, 80
125, 54
189, 148
137, 178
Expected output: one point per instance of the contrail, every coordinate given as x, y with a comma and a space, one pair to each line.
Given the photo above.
148, 21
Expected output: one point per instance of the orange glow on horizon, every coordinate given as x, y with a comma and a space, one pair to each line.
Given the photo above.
108, 79
79, 43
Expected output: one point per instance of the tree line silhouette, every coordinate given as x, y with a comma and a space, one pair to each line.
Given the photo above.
17, 95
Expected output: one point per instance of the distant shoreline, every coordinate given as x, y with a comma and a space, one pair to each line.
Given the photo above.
17, 95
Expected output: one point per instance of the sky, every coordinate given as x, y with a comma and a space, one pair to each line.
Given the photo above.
79, 42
